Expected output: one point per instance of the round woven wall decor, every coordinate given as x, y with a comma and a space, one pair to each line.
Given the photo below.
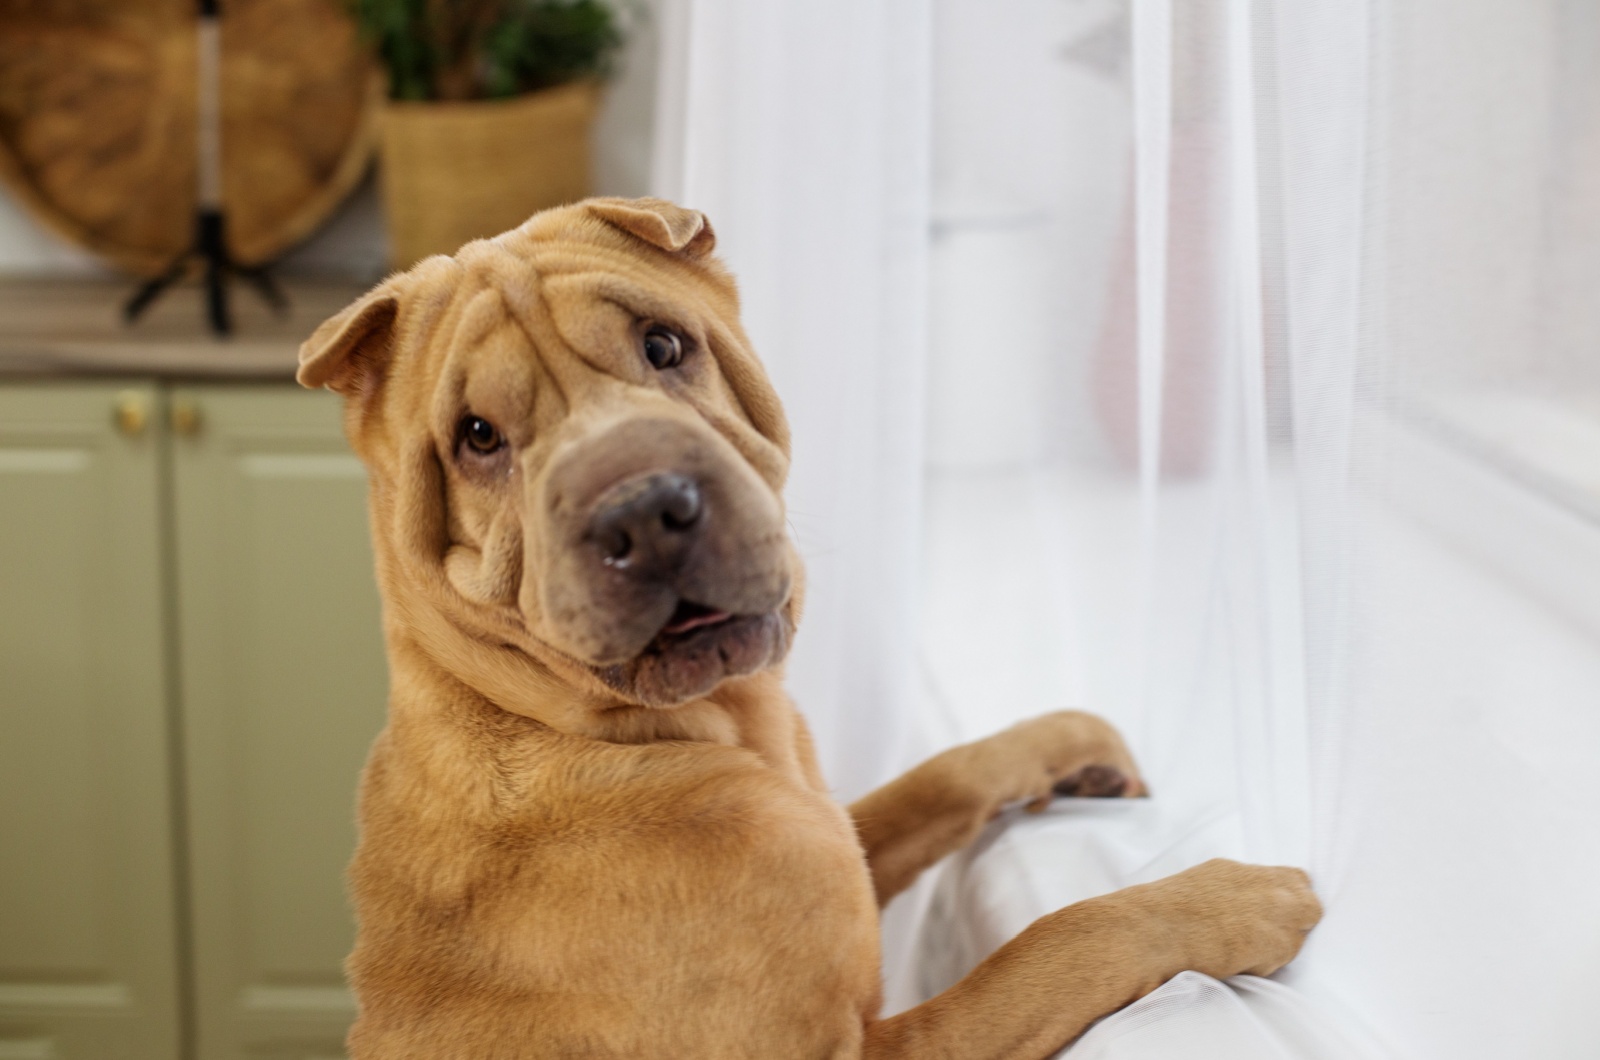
97, 121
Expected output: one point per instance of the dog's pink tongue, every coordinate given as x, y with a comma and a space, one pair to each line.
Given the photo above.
699, 617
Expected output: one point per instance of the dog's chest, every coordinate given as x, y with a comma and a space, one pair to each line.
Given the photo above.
684, 888
606, 886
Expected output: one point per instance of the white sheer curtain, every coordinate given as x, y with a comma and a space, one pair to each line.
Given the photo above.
1263, 416
801, 130
1329, 550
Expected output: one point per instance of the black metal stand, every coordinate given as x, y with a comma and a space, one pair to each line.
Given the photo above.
209, 257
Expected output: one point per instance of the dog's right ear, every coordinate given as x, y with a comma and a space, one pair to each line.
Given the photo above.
658, 222
349, 352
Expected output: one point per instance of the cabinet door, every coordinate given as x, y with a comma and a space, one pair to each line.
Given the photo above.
88, 953
283, 686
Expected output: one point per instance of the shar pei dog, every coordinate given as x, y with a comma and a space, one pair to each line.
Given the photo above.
594, 825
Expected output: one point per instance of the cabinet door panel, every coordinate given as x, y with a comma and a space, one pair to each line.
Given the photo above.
88, 952
283, 684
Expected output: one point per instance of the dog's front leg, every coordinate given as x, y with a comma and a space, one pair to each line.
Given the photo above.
1073, 966
941, 805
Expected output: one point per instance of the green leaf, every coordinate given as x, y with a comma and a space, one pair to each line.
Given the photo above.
510, 47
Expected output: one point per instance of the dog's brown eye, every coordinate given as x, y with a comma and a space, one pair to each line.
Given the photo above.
480, 434
662, 348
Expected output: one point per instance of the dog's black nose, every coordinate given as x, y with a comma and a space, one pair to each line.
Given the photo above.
645, 525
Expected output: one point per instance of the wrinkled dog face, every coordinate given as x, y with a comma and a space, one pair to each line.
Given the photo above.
589, 453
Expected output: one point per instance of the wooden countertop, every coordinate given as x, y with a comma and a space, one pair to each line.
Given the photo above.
52, 328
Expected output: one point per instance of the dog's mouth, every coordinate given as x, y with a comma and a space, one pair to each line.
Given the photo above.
697, 648
689, 616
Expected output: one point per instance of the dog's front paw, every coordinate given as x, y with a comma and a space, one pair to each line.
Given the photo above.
1235, 918
1100, 782
1066, 753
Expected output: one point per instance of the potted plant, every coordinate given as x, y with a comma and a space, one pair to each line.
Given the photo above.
490, 108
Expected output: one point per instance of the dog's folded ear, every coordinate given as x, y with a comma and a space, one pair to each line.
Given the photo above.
659, 223
347, 353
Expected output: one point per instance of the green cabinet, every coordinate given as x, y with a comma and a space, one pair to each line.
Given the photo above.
88, 965
191, 670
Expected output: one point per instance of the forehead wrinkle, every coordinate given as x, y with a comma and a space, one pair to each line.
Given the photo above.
499, 375
572, 259
482, 314
446, 313
530, 311
546, 386
426, 310
474, 321
558, 257
561, 363
556, 250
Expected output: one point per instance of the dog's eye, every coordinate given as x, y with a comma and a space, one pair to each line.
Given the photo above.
481, 434
662, 348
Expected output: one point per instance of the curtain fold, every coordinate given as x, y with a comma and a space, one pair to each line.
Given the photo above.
802, 131
1320, 74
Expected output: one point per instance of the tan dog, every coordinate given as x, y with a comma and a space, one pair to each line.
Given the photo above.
594, 826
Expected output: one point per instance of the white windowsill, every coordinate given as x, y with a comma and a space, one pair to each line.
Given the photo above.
1510, 480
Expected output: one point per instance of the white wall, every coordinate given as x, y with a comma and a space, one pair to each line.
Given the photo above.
27, 249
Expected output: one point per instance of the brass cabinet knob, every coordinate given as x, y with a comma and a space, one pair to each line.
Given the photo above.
131, 413
184, 416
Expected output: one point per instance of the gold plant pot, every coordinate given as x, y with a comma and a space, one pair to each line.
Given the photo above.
454, 172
